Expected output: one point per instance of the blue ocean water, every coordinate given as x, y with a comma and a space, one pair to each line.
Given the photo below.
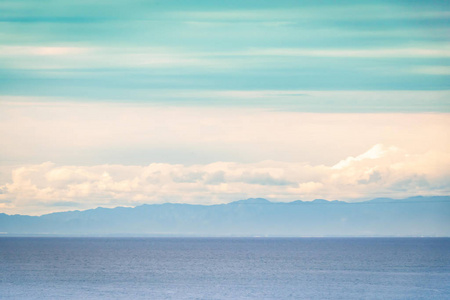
224, 268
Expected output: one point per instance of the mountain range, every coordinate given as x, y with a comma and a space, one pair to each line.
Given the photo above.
415, 216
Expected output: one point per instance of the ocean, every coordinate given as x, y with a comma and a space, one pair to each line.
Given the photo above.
224, 268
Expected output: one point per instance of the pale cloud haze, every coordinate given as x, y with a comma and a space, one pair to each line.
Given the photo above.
67, 155
84, 133
380, 172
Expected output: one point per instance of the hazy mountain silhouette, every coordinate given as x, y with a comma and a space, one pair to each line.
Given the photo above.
416, 216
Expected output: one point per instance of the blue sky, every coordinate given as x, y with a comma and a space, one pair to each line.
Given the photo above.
125, 51
344, 90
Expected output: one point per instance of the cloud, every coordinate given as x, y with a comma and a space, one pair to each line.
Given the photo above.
443, 52
77, 58
432, 70
139, 58
376, 152
42, 51
380, 171
357, 13
287, 100
70, 133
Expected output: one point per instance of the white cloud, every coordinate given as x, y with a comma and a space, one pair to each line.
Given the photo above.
377, 151
42, 51
78, 58
58, 58
380, 171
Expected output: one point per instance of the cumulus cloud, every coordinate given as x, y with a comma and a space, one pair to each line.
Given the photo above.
381, 171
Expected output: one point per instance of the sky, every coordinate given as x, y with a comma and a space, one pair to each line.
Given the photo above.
121, 103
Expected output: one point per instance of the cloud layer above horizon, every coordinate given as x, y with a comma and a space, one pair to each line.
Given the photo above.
379, 172
61, 156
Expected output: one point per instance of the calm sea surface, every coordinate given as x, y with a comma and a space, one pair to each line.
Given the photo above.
225, 268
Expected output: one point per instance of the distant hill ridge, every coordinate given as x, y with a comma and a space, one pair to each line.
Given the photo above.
414, 216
